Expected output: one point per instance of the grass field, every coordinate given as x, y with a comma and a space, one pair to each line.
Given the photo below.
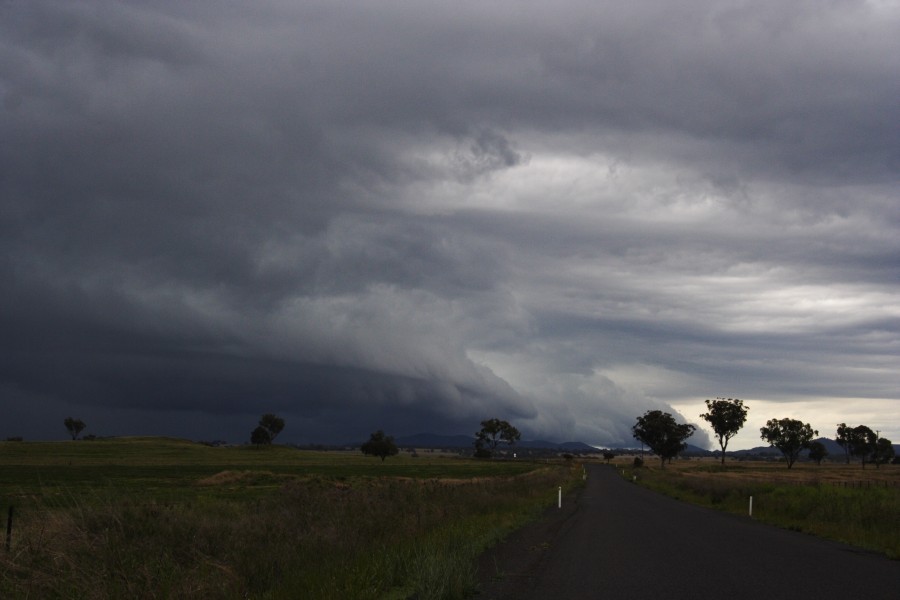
836, 501
162, 518
170, 469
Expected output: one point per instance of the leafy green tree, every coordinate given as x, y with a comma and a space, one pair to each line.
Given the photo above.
884, 452
260, 436
726, 416
790, 436
863, 442
272, 424
74, 426
608, 455
844, 433
380, 445
493, 432
662, 433
817, 452
859, 441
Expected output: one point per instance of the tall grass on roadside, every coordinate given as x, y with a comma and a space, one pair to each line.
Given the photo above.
864, 517
315, 537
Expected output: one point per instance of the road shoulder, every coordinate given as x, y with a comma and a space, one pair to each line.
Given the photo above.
507, 570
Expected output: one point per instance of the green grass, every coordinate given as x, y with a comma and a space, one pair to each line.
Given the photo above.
812, 501
153, 518
170, 468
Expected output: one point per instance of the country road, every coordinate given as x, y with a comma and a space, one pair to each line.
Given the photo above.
616, 540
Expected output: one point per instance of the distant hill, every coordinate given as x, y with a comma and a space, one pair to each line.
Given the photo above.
758, 450
697, 451
832, 447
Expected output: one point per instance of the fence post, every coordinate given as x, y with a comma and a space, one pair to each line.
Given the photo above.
9, 520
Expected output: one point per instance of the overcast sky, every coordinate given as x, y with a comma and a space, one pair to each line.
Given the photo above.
416, 215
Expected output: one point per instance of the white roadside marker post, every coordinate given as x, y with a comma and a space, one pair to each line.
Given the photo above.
560, 497
751, 507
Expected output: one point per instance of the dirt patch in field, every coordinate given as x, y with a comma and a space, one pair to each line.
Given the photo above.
231, 478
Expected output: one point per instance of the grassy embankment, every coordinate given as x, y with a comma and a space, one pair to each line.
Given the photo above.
155, 518
835, 501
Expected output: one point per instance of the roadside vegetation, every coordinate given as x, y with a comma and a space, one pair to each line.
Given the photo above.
833, 501
830, 501
159, 518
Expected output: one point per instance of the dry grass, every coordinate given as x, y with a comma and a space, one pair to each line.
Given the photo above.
776, 472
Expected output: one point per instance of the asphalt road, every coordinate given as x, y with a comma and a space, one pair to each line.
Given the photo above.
618, 540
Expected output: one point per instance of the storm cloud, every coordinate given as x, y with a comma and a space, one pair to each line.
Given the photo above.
414, 216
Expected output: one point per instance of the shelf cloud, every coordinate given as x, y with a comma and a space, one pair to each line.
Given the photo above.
413, 217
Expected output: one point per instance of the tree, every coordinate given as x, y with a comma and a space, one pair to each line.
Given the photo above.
817, 452
75, 426
609, 455
790, 436
272, 424
863, 442
859, 441
492, 433
726, 416
260, 436
381, 445
844, 433
662, 433
884, 452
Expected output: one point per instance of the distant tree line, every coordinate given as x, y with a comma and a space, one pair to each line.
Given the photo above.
863, 443
666, 437
657, 429
493, 432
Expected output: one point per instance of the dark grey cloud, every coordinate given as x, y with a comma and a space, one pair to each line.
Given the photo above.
413, 218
